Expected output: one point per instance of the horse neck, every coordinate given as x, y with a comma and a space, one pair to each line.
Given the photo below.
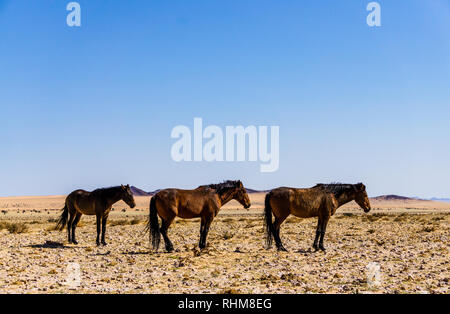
225, 197
345, 198
113, 197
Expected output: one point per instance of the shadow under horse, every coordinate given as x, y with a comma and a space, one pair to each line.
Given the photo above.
203, 202
320, 201
98, 203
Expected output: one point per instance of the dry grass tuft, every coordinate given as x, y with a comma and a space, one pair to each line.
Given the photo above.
227, 235
429, 229
230, 291
15, 227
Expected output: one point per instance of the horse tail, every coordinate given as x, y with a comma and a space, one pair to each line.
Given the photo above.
63, 219
153, 225
269, 228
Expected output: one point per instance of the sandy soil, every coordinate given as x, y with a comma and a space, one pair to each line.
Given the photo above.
409, 243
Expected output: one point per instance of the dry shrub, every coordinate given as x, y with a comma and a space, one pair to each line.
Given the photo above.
52, 228
124, 222
121, 222
3, 225
429, 229
17, 227
268, 278
374, 217
135, 221
230, 291
227, 235
400, 218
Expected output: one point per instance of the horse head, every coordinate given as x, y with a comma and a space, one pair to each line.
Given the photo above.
127, 196
361, 197
241, 195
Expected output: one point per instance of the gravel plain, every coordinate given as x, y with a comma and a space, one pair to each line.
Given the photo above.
382, 252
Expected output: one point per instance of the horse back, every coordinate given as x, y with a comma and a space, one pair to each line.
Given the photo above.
303, 203
82, 201
185, 203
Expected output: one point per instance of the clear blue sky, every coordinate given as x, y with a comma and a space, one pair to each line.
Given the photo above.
94, 106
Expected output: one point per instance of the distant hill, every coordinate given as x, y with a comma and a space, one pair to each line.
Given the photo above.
393, 198
139, 192
251, 191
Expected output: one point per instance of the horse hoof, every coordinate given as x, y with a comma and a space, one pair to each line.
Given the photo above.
169, 250
104, 243
282, 249
98, 243
75, 242
322, 249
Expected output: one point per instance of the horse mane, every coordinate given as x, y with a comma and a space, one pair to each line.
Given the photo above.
111, 191
224, 186
336, 188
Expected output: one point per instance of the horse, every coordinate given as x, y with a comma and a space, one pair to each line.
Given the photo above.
98, 202
203, 202
320, 201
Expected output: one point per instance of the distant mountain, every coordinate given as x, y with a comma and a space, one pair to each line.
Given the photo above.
251, 191
139, 192
403, 198
393, 198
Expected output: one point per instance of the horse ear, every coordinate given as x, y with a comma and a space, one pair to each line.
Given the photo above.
360, 187
240, 184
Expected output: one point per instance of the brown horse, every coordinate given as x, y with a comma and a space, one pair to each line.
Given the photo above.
98, 202
204, 202
320, 201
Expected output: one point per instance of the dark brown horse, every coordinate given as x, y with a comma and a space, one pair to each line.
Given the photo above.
320, 201
204, 202
98, 202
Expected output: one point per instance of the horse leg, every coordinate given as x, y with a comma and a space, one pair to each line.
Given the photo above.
69, 226
277, 224
99, 218
322, 232
164, 228
74, 226
206, 222
202, 230
318, 231
104, 220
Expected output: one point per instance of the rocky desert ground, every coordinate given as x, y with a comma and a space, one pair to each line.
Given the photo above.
399, 247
